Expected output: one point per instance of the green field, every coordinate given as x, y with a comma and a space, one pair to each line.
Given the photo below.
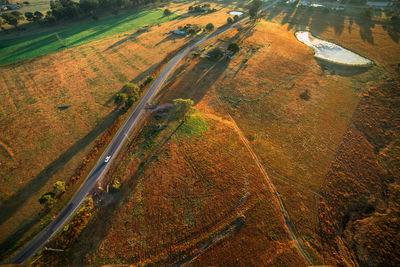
17, 49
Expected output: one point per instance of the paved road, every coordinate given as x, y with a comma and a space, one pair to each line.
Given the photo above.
112, 150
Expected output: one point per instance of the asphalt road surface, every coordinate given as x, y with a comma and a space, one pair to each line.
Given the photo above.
112, 150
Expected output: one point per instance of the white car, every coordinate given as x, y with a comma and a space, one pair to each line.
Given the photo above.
107, 159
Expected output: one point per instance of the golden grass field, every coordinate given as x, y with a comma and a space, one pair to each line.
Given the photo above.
295, 138
186, 185
53, 107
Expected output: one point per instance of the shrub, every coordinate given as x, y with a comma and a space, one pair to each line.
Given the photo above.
305, 95
47, 199
58, 188
229, 20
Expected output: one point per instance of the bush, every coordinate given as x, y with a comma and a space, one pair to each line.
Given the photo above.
229, 20
58, 188
47, 199
305, 95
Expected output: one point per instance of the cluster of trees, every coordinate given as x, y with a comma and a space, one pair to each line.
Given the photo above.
130, 93
11, 18
229, 20
218, 53
49, 198
201, 9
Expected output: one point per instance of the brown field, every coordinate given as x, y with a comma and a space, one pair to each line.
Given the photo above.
359, 213
296, 138
53, 108
174, 202
186, 187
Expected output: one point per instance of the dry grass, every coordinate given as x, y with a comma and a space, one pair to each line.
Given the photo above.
193, 187
54, 106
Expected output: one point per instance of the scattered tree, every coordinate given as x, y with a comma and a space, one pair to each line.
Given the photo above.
210, 27
167, 12
254, 8
233, 48
229, 20
182, 107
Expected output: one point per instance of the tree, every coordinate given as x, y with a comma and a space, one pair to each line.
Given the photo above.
38, 15
29, 16
167, 12
236, 18
216, 53
58, 188
255, 8
182, 107
210, 27
131, 90
233, 48
120, 99
229, 20
88, 5
47, 199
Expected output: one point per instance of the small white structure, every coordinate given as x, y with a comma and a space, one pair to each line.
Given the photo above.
179, 32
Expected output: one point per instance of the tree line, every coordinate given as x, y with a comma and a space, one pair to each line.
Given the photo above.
69, 9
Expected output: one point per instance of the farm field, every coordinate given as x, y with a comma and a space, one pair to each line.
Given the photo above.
294, 112
26, 47
55, 106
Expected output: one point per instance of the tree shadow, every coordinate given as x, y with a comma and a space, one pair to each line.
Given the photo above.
13, 238
123, 40
11, 205
170, 37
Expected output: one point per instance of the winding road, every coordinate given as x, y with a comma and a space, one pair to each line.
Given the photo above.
111, 151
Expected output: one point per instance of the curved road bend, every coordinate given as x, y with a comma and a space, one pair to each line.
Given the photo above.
113, 148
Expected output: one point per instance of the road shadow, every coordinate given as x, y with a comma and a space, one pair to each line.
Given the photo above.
11, 205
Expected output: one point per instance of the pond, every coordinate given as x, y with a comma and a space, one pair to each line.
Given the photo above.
234, 13
330, 51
